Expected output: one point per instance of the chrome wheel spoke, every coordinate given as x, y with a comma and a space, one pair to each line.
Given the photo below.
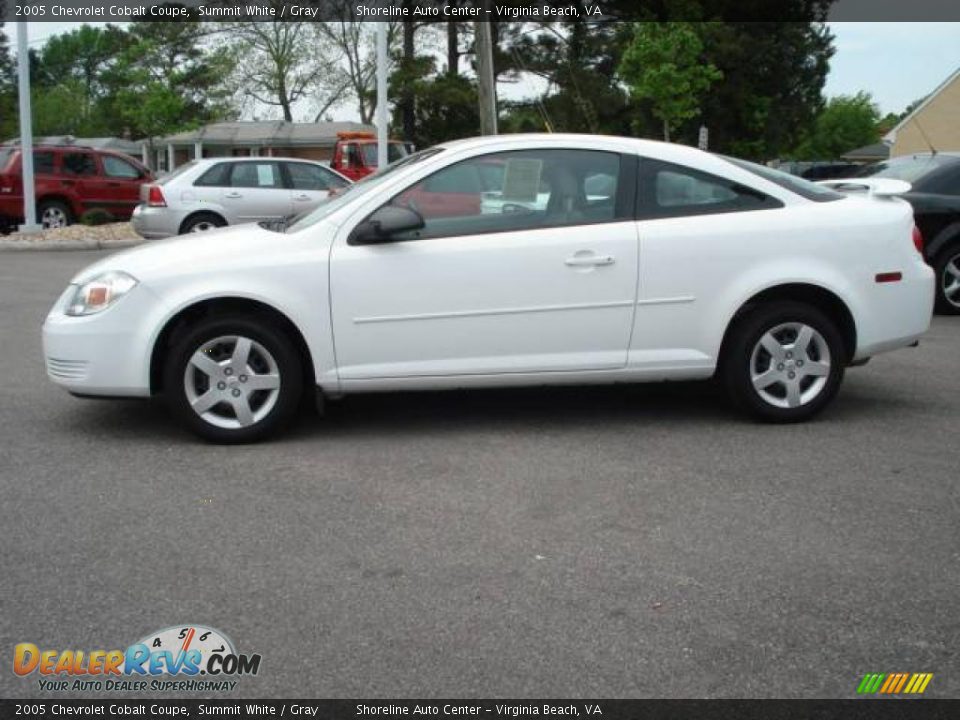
793, 393
241, 354
206, 401
802, 343
766, 379
953, 267
241, 405
269, 381
206, 364
815, 368
772, 346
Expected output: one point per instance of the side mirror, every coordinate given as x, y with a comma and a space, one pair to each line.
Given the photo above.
384, 224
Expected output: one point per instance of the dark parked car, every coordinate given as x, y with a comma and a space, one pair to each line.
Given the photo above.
69, 180
935, 197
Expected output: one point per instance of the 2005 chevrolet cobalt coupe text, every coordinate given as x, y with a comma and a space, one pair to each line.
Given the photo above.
508, 260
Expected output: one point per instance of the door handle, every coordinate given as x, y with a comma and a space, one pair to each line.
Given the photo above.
301, 197
589, 260
233, 195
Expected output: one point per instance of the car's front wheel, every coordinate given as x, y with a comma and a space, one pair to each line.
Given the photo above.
783, 362
233, 379
947, 268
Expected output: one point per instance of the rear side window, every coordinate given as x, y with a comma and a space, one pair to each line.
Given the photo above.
669, 190
262, 175
117, 168
304, 176
797, 185
78, 164
944, 181
42, 162
217, 176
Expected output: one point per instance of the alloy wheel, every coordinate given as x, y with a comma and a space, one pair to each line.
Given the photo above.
232, 382
790, 365
950, 280
202, 226
53, 217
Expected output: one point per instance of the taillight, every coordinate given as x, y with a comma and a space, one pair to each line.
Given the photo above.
155, 197
918, 239
6, 184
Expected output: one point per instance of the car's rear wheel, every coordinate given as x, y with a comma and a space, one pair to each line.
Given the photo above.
53, 214
783, 362
947, 268
233, 379
202, 222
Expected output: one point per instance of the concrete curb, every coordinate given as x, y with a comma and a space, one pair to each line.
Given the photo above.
88, 244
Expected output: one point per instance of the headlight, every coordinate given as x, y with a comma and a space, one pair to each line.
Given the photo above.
100, 293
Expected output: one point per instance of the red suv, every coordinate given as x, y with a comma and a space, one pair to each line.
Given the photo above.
69, 180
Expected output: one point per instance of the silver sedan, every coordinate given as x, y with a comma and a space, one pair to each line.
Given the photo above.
214, 192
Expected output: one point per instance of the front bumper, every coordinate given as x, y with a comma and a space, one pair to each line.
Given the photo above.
106, 354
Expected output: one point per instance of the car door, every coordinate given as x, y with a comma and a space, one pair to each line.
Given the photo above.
256, 192
82, 179
123, 180
541, 290
310, 185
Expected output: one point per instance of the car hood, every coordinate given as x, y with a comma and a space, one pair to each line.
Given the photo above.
215, 249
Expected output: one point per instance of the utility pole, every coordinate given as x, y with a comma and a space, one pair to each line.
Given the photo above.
381, 95
487, 89
26, 132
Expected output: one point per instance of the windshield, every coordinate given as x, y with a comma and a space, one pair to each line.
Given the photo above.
395, 151
5, 155
909, 169
351, 192
803, 188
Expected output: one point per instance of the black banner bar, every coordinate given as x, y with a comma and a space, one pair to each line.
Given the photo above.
478, 10
857, 709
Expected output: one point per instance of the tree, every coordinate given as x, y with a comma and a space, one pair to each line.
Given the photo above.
446, 105
847, 122
664, 64
8, 88
280, 63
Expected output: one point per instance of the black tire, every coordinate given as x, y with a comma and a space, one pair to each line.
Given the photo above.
738, 360
55, 207
947, 257
274, 347
202, 222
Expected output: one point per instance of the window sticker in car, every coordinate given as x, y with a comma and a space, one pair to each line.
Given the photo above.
521, 180
265, 175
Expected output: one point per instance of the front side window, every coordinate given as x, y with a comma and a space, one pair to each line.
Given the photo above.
304, 176
518, 190
669, 190
43, 162
263, 175
117, 168
79, 164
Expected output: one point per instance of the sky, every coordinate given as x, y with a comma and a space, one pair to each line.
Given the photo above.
896, 63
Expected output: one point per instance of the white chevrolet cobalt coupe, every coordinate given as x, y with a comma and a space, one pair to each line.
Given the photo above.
508, 260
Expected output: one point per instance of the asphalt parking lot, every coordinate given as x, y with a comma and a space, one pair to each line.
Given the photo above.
627, 541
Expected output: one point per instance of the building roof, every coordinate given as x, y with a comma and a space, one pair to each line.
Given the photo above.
891, 136
277, 133
876, 151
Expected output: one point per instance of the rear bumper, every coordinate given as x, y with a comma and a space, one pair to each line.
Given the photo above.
155, 223
899, 313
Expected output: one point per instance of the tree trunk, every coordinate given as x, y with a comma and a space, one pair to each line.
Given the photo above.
453, 49
666, 131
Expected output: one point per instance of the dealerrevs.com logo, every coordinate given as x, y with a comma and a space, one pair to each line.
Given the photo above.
187, 657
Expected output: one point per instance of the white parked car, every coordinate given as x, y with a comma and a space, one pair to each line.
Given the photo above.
687, 265
206, 194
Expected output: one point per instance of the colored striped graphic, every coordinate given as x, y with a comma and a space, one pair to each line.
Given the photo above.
894, 683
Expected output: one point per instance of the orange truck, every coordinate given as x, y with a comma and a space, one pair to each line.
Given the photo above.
355, 154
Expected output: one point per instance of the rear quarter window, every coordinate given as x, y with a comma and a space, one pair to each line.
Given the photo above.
796, 185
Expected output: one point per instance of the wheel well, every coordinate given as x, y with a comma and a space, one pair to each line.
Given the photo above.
824, 300
58, 198
197, 214
225, 306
